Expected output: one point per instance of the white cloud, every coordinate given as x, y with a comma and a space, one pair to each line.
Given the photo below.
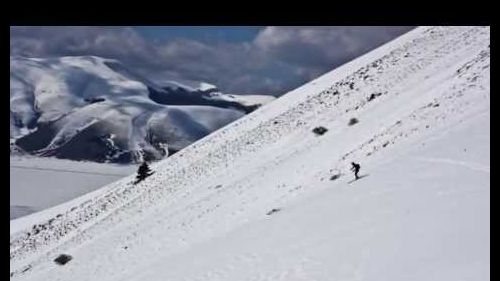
277, 60
322, 46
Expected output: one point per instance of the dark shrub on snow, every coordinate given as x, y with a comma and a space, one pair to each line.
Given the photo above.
353, 121
320, 130
334, 177
63, 259
273, 211
373, 96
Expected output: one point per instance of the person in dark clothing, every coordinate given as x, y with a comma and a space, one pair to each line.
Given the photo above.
355, 168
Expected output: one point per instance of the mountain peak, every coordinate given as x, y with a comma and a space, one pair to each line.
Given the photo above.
73, 101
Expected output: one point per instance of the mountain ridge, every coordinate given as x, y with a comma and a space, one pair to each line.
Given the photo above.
91, 108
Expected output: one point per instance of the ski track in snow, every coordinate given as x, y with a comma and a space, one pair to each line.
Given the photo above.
470, 165
204, 181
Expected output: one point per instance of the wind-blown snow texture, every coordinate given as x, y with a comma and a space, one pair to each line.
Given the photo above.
90, 108
420, 213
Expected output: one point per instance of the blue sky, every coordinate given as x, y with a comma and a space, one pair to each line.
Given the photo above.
239, 60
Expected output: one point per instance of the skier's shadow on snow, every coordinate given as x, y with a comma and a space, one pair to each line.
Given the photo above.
360, 177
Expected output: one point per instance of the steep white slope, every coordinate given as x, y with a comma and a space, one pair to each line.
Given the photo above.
421, 211
423, 215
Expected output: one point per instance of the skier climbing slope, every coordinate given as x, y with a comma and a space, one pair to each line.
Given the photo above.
355, 168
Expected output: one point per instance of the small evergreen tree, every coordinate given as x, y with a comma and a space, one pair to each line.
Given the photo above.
143, 172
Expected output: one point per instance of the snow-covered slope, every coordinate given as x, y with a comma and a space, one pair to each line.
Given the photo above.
256, 200
17, 211
90, 108
37, 183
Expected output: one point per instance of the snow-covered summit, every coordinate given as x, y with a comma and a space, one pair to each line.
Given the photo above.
69, 107
205, 86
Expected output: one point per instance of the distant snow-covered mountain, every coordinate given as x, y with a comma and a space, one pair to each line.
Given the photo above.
91, 108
